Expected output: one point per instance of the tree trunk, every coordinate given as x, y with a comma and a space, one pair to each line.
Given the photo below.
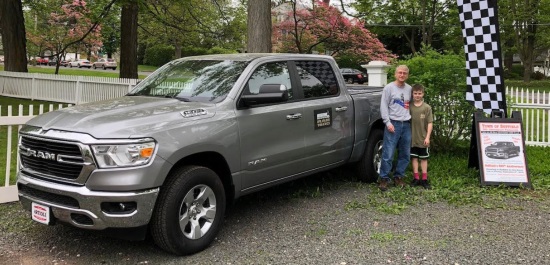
259, 26
128, 38
14, 40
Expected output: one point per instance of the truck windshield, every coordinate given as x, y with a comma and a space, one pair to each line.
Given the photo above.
192, 80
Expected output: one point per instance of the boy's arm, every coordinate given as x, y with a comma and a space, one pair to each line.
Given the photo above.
428, 134
429, 127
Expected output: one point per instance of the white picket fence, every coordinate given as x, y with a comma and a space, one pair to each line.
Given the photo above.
535, 111
12, 124
534, 106
63, 88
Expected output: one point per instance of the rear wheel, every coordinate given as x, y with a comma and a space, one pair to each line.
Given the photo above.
368, 168
349, 80
104, 68
189, 210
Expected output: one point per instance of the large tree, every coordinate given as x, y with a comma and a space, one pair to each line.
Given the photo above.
129, 39
525, 32
406, 25
259, 26
12, 27
324, 29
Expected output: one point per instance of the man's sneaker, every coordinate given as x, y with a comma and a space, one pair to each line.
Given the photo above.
415, 183
399, 182
383, 184
424, 183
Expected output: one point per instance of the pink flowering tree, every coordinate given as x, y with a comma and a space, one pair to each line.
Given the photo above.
69, 26
323, 28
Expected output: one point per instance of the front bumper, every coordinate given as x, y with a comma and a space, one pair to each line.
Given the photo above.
81, 207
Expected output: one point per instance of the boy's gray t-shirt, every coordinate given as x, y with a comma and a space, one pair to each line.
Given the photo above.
395, 103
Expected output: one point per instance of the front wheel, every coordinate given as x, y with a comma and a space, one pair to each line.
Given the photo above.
189, 210
368, 168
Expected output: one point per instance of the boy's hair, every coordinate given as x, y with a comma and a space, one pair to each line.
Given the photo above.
418, 87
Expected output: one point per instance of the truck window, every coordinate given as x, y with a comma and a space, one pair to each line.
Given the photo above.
269, 73
192, 80
318, 79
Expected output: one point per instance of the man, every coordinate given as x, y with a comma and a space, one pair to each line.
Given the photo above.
394, 108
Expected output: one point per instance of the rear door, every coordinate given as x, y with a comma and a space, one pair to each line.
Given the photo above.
271, 136
328, 112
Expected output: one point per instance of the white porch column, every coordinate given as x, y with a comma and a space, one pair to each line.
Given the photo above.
377, 71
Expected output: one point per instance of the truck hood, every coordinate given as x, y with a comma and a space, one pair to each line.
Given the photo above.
125, 117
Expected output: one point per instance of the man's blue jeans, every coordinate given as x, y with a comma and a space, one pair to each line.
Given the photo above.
400, 139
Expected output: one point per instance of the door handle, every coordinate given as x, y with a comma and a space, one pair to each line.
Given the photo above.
294, 116
339, 109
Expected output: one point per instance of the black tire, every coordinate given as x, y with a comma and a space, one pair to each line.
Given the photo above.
349, 80
104, 68
506, 155
114, 68
70, 66
94, 66
193, 197
368, 168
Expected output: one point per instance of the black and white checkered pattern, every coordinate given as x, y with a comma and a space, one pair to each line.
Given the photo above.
485, 89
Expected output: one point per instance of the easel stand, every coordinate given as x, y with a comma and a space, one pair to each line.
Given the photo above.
497, 149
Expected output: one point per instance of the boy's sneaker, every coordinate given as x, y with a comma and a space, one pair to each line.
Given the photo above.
415, 183
424, 183
399, 182
383, 184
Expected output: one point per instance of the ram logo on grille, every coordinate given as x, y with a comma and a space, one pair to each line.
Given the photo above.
39, 154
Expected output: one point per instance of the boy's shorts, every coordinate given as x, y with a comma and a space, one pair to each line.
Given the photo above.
420, 152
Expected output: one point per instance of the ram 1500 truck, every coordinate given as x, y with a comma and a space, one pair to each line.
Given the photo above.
199, 132
502, 150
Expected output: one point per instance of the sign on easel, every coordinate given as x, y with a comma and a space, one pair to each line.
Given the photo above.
501, 150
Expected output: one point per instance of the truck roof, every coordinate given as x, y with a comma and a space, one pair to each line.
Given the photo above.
253, 56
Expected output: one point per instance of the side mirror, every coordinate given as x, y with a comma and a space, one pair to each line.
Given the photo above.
268, 93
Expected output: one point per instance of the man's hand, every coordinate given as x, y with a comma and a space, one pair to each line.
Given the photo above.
390, 128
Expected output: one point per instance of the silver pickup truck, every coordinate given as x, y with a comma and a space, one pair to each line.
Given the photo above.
199, 132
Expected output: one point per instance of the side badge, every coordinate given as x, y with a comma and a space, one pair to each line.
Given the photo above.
193, 113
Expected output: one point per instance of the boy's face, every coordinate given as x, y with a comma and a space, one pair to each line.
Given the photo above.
418, 95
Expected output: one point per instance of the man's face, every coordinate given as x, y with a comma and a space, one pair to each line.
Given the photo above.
418, 95
401, 75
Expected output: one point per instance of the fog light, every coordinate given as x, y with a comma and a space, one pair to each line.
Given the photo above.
118, 207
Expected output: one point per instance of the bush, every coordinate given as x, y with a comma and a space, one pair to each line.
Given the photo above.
219, 50
444, 77
537, 76
159, 55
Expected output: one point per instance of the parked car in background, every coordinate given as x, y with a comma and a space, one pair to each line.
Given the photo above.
353, 76
105, 63
80, 64
42, 60
52, 62
64, 63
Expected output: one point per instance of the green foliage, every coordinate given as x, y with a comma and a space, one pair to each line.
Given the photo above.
541, 85
443, 76
516, 73
220, 50
349, 61
159, 55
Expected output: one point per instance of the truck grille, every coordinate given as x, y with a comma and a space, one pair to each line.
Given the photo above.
59, 159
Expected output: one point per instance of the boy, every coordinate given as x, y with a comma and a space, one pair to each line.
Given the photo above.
421, 126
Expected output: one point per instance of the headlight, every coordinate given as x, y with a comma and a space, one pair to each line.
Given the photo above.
123, 155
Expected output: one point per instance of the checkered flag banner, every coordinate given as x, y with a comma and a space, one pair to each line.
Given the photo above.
485, 86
